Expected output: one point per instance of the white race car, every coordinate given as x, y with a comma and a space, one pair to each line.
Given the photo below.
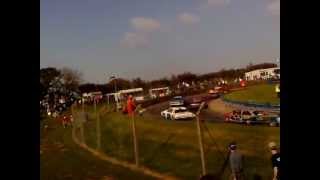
177, 113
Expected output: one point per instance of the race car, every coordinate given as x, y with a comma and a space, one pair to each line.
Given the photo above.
195, 102
246, 117
177, 113
177, 101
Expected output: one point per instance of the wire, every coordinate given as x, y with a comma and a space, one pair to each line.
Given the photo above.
155, 152
225, 159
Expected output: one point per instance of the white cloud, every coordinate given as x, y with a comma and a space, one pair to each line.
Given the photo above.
188, 18
145, 24
218, 2
142, 28
133, 40
274, 7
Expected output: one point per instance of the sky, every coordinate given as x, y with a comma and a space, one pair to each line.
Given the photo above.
152, 39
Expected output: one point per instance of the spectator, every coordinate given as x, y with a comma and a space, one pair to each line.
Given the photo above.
130, 105
236, 165
275, 159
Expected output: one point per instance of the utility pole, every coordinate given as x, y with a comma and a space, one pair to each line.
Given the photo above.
200, 139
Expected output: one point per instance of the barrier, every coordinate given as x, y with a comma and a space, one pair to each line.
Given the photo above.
252, 104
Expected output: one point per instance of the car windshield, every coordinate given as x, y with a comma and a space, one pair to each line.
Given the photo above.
181, 110
177, 98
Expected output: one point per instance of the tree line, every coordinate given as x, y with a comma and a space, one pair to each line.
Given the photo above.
72, 79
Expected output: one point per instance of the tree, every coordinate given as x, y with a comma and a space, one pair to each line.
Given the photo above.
138, 83
163, 82
86, 88
47, 75
72, 78
187, 77
120, 83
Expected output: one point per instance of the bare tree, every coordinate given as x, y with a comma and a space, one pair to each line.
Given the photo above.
72, 78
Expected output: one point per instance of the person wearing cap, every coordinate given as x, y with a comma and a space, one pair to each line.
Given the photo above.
275, 159
235, 160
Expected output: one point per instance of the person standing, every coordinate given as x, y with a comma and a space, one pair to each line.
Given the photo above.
236, 160
275, 159
130, 105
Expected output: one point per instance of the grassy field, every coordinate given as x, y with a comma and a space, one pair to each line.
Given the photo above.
264, 93
180, 156
62, 159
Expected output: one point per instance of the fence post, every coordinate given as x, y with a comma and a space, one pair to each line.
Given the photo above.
97, 126
81, 123
82, 105
200, 139
135, 142
136, 154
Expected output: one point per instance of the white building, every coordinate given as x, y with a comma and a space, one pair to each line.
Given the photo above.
263, 74
159, 92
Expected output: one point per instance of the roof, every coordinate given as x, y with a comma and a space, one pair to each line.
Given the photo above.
157, 89
267, 69
131, 90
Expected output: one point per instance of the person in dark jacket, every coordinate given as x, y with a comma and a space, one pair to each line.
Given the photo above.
275, 160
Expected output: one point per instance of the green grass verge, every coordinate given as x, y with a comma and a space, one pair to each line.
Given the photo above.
264, 93
62, 159
180, 157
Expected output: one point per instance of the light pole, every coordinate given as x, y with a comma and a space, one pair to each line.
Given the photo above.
113, 77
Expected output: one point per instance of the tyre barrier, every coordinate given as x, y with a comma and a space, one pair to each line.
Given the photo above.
252, 104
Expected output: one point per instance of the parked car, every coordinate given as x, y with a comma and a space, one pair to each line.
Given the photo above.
177, 101
177, 113
195, 102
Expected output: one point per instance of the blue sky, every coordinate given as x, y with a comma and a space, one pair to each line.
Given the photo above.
156, 38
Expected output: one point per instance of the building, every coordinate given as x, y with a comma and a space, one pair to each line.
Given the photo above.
137, 93
263, 74
159, 92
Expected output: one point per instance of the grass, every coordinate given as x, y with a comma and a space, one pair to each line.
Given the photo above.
264, 93
180, 156
63, 160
